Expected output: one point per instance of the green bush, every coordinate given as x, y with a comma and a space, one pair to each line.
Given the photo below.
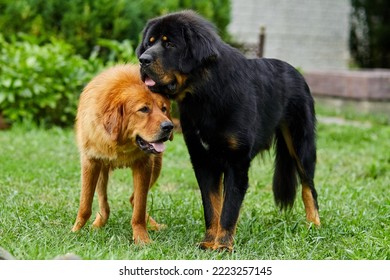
82, 23
67, 43
42, 84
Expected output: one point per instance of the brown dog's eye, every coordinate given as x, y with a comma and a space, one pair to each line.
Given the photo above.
144, 109
164, 109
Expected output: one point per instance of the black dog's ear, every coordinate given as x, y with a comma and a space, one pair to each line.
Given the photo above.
141, 47
201, 45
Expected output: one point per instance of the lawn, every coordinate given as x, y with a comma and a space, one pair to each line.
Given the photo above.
40, 184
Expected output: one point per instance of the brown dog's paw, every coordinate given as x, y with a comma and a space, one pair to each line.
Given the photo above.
138, 240
77, 226
153, 225
157, 227
140, 236
100, 221
75, 229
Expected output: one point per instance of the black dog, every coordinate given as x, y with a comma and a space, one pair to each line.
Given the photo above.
231, 108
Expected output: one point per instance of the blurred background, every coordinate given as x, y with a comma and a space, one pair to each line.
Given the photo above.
49, 49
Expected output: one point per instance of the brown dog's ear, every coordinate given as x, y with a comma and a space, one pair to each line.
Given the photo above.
112, 121
170, 118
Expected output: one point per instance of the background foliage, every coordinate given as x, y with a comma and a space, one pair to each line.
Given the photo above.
370, 33
82, 23
49, 49
41, 84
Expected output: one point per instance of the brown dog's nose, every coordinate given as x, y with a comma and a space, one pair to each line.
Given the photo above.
166, 126
145, 59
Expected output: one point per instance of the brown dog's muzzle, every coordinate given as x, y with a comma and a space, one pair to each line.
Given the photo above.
156, 146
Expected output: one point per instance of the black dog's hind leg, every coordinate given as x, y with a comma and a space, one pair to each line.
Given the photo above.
305, 156
299, 142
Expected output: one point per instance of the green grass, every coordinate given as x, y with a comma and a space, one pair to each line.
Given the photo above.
40, 184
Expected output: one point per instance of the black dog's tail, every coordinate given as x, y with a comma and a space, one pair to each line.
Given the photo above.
295, 150
285, 174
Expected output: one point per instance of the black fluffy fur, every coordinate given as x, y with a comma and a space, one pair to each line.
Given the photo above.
232, 108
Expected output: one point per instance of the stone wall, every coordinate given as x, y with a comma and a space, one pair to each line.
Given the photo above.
365, 85
310, 34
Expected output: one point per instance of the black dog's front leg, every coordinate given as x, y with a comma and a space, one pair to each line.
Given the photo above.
208, 173
235, 186
209, 178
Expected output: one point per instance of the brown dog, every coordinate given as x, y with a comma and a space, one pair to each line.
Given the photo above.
120, 123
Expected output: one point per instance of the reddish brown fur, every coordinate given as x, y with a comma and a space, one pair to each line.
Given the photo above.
108, 121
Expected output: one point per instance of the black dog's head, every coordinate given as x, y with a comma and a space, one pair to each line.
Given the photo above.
173, 47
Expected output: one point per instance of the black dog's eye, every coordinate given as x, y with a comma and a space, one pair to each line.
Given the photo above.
150, 41
144, 109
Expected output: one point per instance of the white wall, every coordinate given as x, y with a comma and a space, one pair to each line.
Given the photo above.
311, 34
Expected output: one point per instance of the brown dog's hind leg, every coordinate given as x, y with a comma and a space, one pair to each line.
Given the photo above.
157, 164
101, 188
89, 176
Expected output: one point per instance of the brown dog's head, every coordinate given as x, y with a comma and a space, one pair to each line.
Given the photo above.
134, 114
172, 48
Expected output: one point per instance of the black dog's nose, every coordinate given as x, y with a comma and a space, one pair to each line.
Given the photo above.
166, 126
145, 59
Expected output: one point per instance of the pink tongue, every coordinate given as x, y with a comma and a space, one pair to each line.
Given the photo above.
159, 146
149, 82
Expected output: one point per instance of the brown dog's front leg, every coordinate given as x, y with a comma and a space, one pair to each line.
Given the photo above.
90, 170
141, 177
